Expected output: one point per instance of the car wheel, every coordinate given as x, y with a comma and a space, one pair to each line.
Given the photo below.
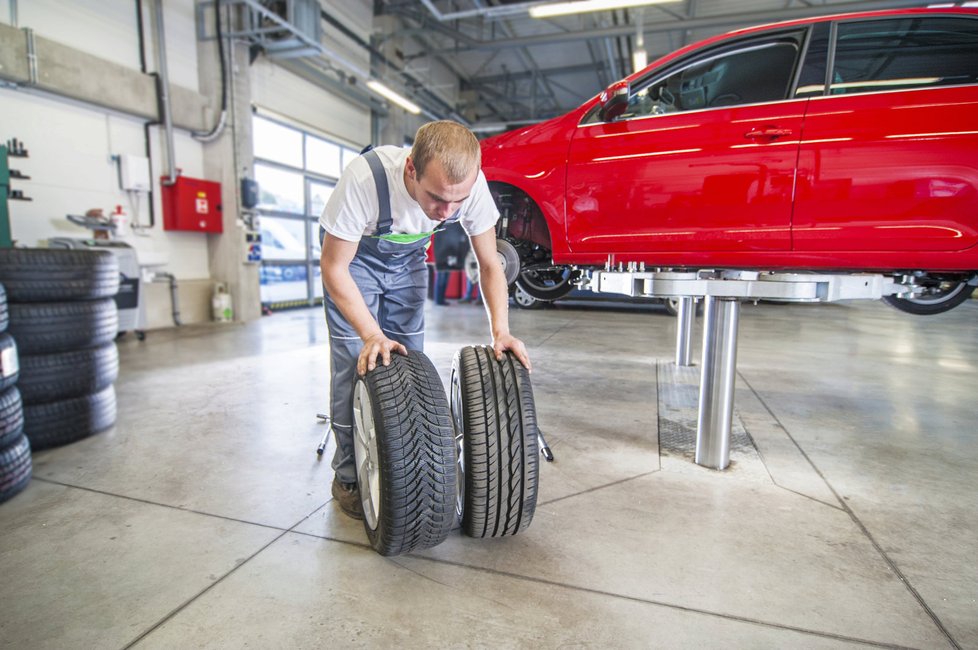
47, 327
405, 455
496, 440
15, 468
52, 424
936, 299
524, 300
57, 376
546, 281
9, 362
11, 416
49, 275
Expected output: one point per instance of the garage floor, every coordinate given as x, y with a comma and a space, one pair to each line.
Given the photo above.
849, 517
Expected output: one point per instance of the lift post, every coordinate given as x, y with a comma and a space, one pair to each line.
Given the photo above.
723, 292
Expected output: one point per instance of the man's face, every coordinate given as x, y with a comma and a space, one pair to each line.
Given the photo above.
439, 198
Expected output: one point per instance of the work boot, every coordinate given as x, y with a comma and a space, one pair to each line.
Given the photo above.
347, 496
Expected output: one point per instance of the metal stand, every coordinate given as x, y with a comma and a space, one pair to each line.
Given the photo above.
684, 331
723, 291
717, 379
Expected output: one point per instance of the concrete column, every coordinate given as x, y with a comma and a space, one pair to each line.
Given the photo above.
227, 159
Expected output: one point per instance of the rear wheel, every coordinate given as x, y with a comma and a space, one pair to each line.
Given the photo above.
405, 455
938, 297
497, 442
546, 281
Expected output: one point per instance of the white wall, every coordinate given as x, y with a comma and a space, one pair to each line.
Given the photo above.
278, 90
72, 145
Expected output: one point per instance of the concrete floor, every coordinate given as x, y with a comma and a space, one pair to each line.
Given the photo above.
848, 518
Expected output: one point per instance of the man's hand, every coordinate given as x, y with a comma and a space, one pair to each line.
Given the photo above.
514, 345
378, 344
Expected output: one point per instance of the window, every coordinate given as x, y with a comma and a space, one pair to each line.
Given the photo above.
277, 143
896, 54
279, 190
324, 157
296, 172
753, 73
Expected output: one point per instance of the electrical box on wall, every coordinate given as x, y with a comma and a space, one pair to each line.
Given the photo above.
134, 173
192, 204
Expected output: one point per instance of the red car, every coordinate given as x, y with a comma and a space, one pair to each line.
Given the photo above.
843, 143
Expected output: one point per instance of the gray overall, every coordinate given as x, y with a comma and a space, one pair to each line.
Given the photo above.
393, 279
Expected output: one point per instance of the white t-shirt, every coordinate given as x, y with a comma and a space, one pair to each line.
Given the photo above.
352, 209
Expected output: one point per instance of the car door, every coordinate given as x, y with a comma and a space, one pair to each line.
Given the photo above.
889, 157
703, 159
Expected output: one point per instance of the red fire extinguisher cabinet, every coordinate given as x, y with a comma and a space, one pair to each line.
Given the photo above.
192, 204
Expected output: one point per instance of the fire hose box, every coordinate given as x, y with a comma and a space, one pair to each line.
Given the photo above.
192, 204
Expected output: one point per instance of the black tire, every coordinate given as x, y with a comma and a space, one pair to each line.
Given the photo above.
15, 468
3, 309
58, 376
51, 274
546, 282
524, 300
53, 424
938, 299
11, 416
44, 328
405, 455
9, 362
497, 442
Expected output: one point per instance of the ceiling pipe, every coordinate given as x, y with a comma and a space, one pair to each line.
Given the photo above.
171, 167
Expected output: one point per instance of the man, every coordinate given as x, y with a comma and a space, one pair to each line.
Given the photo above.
375, 227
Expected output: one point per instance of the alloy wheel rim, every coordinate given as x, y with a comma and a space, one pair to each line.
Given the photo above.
458, 420
365, 454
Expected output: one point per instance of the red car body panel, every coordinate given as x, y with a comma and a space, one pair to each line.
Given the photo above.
874, 181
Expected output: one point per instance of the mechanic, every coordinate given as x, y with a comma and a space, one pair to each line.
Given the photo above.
374, 230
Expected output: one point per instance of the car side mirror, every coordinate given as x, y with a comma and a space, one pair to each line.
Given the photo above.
614, 101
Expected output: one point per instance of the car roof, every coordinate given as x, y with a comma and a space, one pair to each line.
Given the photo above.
801, 22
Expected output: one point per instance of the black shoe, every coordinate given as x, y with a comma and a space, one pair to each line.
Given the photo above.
347, 497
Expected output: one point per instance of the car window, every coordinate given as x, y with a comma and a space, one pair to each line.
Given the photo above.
904, 53
753, 73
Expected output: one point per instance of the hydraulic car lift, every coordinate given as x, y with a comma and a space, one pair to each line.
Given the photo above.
723, 292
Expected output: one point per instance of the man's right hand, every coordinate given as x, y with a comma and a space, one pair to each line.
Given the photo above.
378, 344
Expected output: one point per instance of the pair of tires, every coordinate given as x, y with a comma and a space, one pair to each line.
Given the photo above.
15, 449
424, 462
64, 320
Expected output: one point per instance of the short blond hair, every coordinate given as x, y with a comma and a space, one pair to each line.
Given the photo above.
453, 145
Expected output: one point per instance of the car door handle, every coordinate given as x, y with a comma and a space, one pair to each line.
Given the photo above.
767, 132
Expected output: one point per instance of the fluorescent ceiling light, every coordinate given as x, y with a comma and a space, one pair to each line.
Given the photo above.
584, 6
387, 93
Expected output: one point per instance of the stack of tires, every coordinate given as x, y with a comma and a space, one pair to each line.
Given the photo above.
64, 319
15, 450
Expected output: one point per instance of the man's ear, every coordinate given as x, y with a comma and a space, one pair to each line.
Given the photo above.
409, 167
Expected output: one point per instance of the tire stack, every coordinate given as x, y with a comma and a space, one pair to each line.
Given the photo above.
64, 319
15, 450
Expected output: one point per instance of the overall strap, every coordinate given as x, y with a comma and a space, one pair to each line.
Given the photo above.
384, 219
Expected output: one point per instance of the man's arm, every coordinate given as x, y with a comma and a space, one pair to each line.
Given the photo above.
335, 264
492, 284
